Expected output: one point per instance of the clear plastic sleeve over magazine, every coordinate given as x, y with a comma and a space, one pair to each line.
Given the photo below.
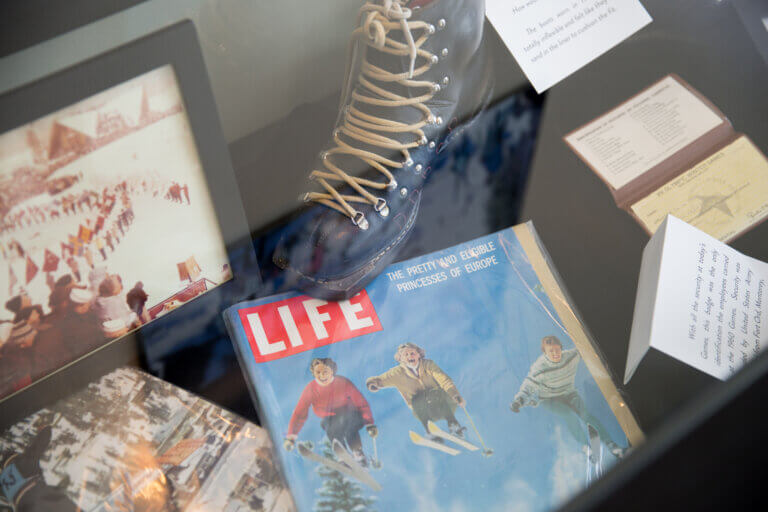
131, 442
460, 380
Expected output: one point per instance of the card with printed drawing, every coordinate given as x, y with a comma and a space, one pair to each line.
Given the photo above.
463, 369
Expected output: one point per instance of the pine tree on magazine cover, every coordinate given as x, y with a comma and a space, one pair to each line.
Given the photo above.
338, 492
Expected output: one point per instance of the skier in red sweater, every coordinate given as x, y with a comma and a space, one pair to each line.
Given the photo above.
342, 408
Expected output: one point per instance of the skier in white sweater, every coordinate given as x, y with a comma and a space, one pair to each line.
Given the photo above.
550, 383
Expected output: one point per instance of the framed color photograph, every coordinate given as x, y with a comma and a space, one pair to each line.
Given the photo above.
116, 209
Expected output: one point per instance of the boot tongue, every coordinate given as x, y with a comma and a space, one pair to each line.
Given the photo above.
407, 114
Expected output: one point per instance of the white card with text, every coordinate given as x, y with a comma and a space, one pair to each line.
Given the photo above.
699, 301
550, 39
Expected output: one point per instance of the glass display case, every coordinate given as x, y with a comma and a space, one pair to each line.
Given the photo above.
162, 161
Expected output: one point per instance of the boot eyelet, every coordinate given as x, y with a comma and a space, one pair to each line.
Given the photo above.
392, 185
435, 87
441, 24
417, 169
430, 29
431, 144
446, 80
444, 52
403, 192
408, 162
434, 59
360, 221
381, 207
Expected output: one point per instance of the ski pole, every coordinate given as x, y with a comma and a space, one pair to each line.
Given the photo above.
376, 463
486, 451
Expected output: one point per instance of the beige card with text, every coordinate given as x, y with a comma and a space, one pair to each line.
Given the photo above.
723, 195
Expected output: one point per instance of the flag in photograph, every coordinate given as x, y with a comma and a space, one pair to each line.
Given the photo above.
31, 269
188, 269
84, 234
51, 262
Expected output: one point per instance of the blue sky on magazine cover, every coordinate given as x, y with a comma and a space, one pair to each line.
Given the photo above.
484, 330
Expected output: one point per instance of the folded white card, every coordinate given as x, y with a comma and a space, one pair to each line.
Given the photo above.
699, 301
550, 39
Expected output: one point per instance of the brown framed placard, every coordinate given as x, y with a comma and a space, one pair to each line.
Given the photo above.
670, 167
119, 165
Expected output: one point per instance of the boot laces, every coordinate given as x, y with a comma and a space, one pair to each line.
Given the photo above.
377, 20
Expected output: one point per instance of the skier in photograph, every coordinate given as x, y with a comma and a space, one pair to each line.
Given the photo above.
136, 299
17, 303
550, 383
100, 246
426, 389
74, 267
342, 409
82, 326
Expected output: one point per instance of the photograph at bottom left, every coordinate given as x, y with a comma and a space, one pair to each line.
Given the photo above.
106, 223
132, 442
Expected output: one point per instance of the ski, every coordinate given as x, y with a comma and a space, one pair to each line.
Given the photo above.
350, 461
423, 441
595, 449
437, 431
363, 477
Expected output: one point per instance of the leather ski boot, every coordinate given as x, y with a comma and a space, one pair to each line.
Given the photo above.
416, 68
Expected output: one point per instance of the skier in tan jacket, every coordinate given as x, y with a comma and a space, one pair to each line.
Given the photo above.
426, 389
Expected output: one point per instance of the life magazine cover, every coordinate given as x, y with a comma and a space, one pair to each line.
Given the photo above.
460, 380
131, 442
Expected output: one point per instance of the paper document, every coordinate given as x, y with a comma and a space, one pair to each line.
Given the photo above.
550, 39
699, 301
643, 131
723, 195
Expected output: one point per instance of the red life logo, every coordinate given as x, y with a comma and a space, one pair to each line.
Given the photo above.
287, 327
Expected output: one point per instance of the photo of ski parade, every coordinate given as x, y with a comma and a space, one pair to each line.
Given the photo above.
106, 223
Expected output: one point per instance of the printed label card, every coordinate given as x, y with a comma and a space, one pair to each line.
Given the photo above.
699, 301
551, 39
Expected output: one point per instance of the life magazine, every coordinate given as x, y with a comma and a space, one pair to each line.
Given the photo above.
460, 380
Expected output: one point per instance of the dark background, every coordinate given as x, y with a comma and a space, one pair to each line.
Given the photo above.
24, 23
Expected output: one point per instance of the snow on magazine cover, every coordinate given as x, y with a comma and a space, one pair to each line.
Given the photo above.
450, 383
